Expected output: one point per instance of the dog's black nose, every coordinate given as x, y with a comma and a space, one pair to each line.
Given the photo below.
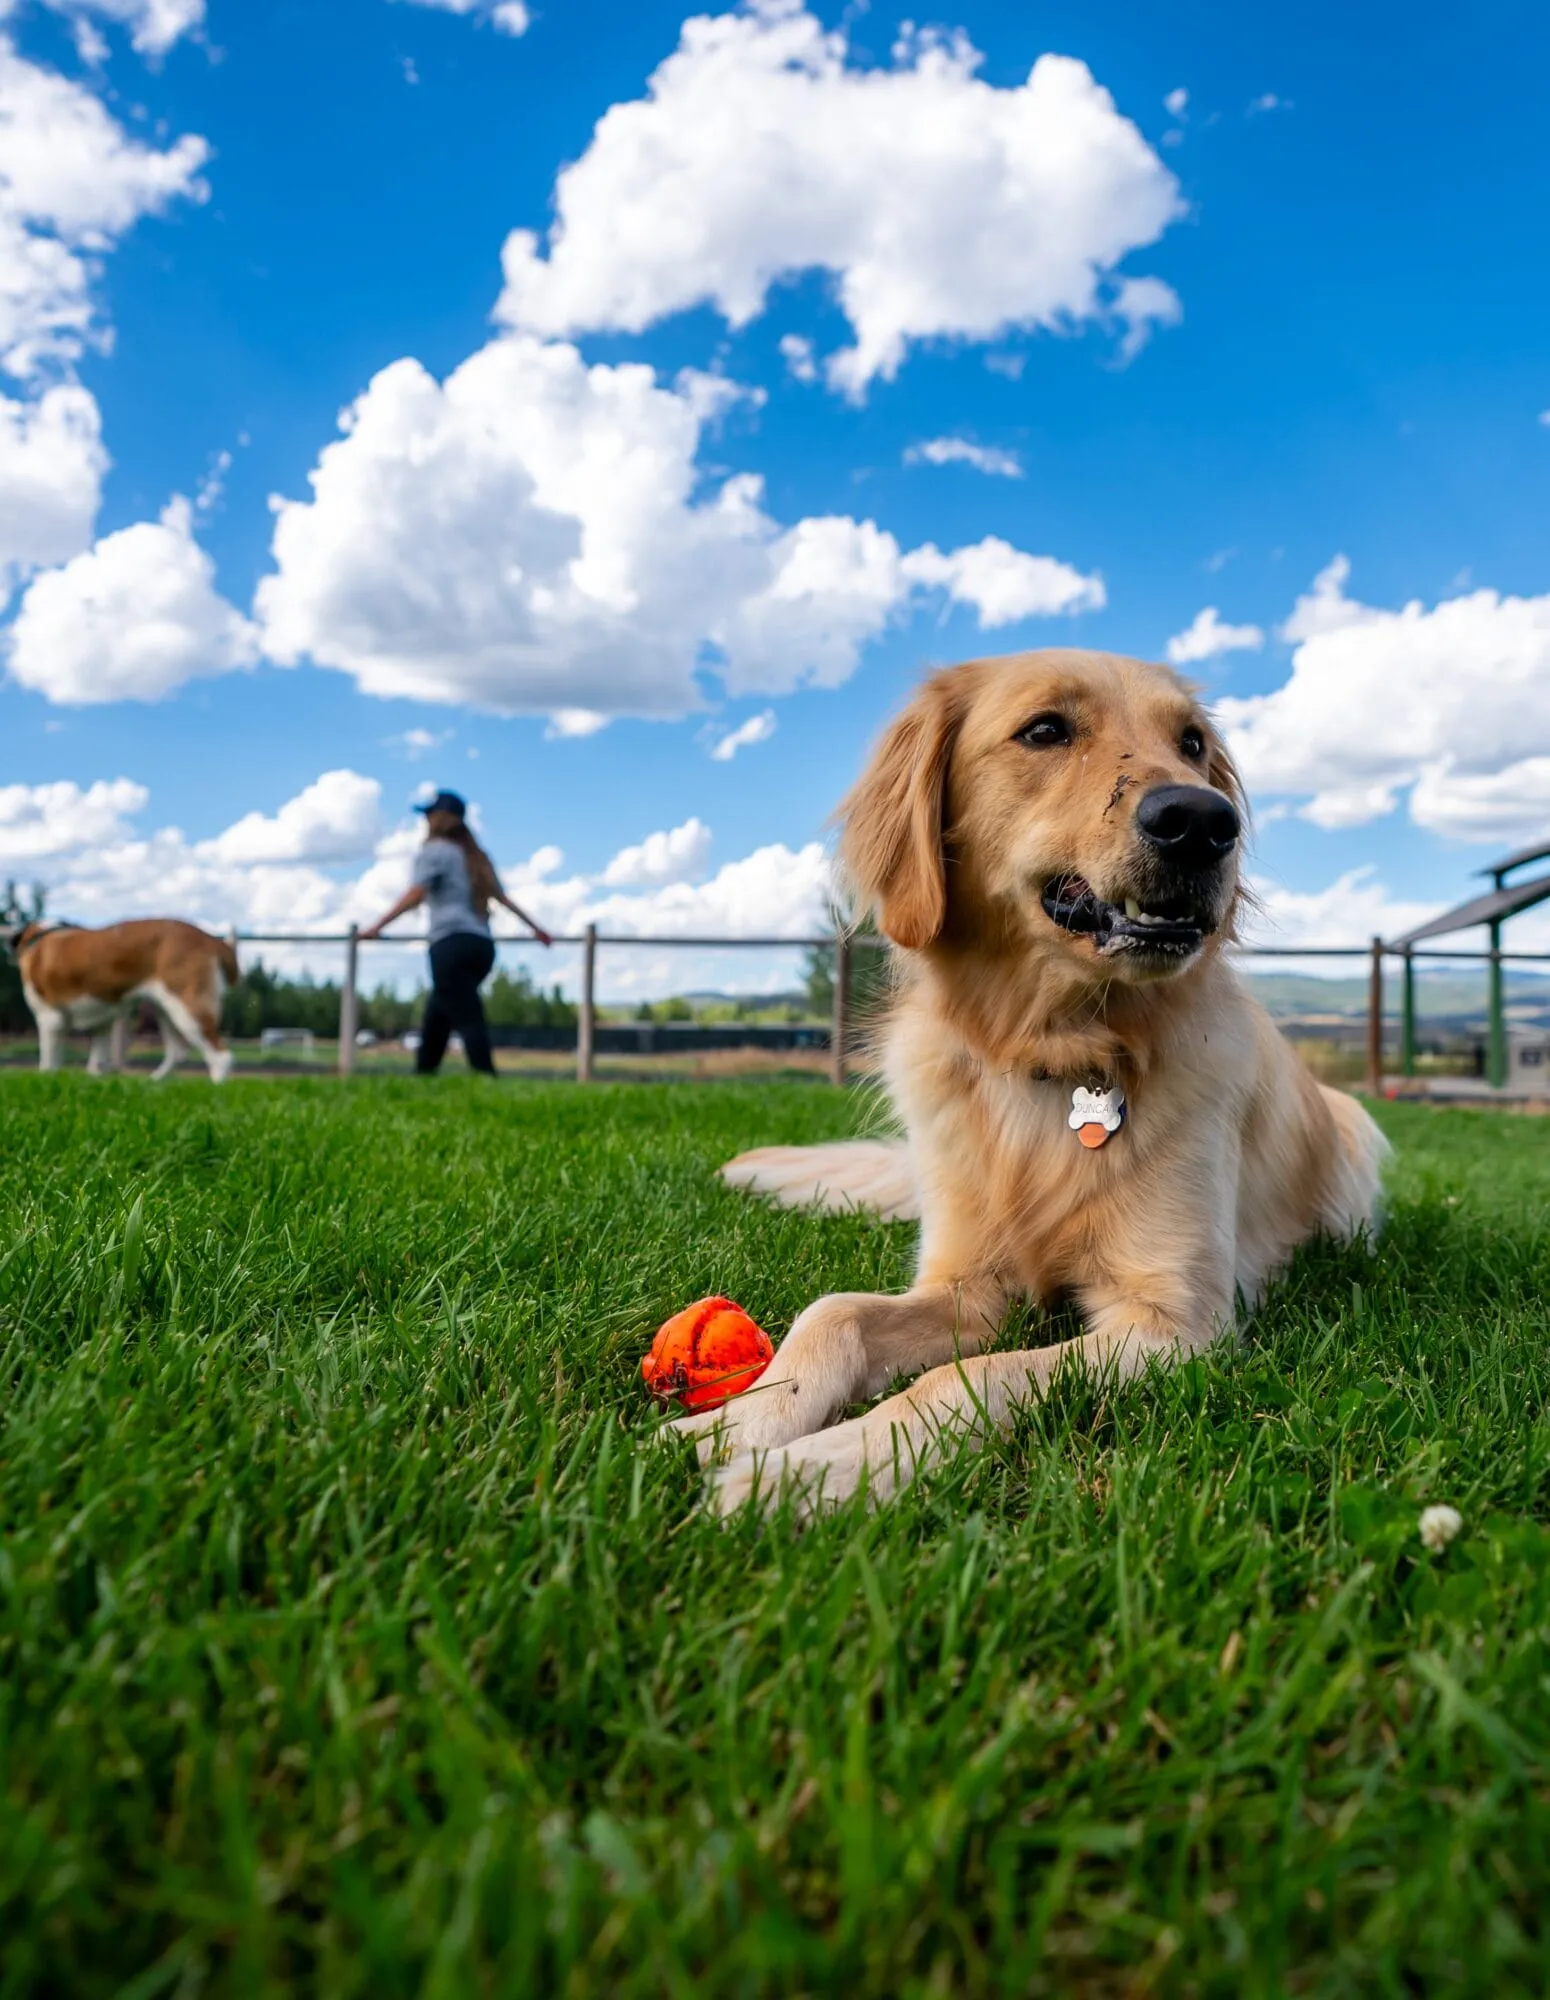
1192, 826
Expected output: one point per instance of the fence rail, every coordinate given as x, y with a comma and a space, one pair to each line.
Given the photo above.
590, 940
844, 944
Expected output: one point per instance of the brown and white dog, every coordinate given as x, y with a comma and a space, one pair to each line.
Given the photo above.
91, 981
1095, 1106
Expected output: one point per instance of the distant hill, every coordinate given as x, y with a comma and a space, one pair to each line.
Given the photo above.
1444, 998
1441, 995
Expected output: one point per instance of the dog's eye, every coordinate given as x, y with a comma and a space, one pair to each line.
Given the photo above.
1192, 742
1045, 732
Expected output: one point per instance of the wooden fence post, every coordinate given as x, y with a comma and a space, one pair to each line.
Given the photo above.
1375, 1021
232, 940
586, 1020
349, 1005
839, 1031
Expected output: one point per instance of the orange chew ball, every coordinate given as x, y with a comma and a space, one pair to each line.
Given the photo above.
709, 1351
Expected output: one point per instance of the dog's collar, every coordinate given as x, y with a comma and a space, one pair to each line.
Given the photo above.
1074, 1079
34, 933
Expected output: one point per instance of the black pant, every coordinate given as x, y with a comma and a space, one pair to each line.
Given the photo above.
459, 964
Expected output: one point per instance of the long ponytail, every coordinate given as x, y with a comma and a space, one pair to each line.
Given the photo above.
484, 885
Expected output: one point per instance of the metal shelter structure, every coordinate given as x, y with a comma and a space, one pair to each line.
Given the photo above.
1501, 901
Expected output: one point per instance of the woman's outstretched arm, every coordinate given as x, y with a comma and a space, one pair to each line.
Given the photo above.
411, 899
522, 917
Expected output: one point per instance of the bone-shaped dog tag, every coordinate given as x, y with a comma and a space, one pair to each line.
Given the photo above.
1096, 1115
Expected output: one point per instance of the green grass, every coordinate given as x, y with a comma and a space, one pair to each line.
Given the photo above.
355, 1639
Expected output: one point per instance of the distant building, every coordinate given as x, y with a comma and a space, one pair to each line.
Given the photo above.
1503, 901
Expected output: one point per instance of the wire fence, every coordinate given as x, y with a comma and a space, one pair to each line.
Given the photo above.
844, 945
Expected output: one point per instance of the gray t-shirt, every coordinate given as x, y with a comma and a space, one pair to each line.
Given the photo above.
441, 870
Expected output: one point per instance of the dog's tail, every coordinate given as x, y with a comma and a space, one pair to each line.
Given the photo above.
226, 959
860, 1174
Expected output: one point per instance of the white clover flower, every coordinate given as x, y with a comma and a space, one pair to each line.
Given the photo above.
1438, 1527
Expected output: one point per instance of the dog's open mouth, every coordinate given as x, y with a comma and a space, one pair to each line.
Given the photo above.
1172, 926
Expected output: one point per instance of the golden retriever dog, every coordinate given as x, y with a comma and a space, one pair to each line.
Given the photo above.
1095, 1107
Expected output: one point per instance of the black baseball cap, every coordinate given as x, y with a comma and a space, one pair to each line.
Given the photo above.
444, 802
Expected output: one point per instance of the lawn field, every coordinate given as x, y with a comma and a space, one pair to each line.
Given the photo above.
355, 1638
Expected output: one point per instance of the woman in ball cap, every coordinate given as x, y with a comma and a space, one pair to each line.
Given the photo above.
456, 880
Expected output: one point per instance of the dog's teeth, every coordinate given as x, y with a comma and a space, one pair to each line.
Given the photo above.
1132, 908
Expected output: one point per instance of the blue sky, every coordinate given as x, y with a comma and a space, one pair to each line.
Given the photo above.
1347, 361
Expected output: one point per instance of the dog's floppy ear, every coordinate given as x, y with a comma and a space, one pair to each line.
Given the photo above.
891, 848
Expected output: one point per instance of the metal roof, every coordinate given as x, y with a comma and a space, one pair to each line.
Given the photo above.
1490, 908
1521, 859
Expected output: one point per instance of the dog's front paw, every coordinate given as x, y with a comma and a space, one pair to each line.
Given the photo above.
884, 1450
816, 1472
760, 1418
807, 1479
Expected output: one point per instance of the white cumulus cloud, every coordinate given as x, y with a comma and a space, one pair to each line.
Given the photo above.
1338, 807
830, 583
987, 458
774, 892
1352, 910
510, 17
942, 206
1207, 637
1004, 584
675, 856
48, 822
133, 618
1499, 805
536, 534
757, 729
337, 818
52, 463
1450, 702
154, 25
272, 873
72, 180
